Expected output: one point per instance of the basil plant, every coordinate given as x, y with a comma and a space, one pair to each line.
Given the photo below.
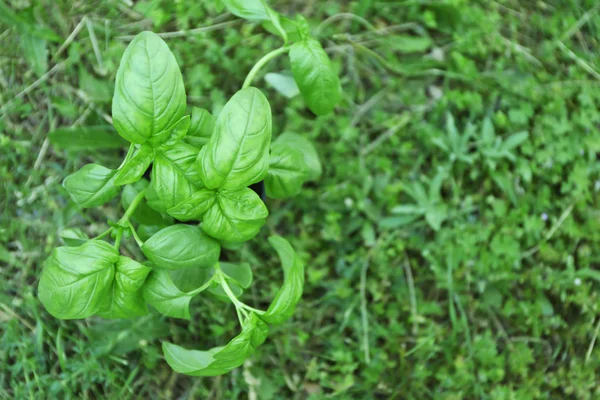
202, 168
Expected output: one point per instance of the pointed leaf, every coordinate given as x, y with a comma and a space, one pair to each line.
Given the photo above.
218, 360
91, 186
284, 304
149, 94
315, 76
134, 168
237, 154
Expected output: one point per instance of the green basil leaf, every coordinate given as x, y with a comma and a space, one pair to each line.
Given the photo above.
134, 168
161, 293
194, 207
86, 138
125, 299
289, 294
73, 237
143, 214
76, 280
311, 157
178, 132
315, 76
174, 176
218, 360
237, 154
149, 94
201, 127
287, 171
236, 216
253, 10
182, 246
91, 186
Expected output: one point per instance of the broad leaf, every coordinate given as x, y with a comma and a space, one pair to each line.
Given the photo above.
134, 168
237, 154
161, 293
201, 127
287, 171
149, 96
311, 157
218, 360
181, 246
315, 76
125, 300
194, 207
174, 177
91, 186
236, 216
289, 294
76, 280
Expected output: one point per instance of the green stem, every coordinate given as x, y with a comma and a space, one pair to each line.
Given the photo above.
123, 223
261, 63
203, 287
139, 241
136, 201
129, 153
106, 232
222, 279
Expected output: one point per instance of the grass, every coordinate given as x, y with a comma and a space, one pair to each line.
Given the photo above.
445, 259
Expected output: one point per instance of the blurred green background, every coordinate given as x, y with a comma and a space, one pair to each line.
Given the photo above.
451, 245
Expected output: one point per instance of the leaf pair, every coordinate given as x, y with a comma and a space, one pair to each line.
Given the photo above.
235, 156
78, 282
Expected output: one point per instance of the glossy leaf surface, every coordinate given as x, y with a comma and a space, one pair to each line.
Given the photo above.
181, 246
237, 153
76, 280
149, 94
236, 216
